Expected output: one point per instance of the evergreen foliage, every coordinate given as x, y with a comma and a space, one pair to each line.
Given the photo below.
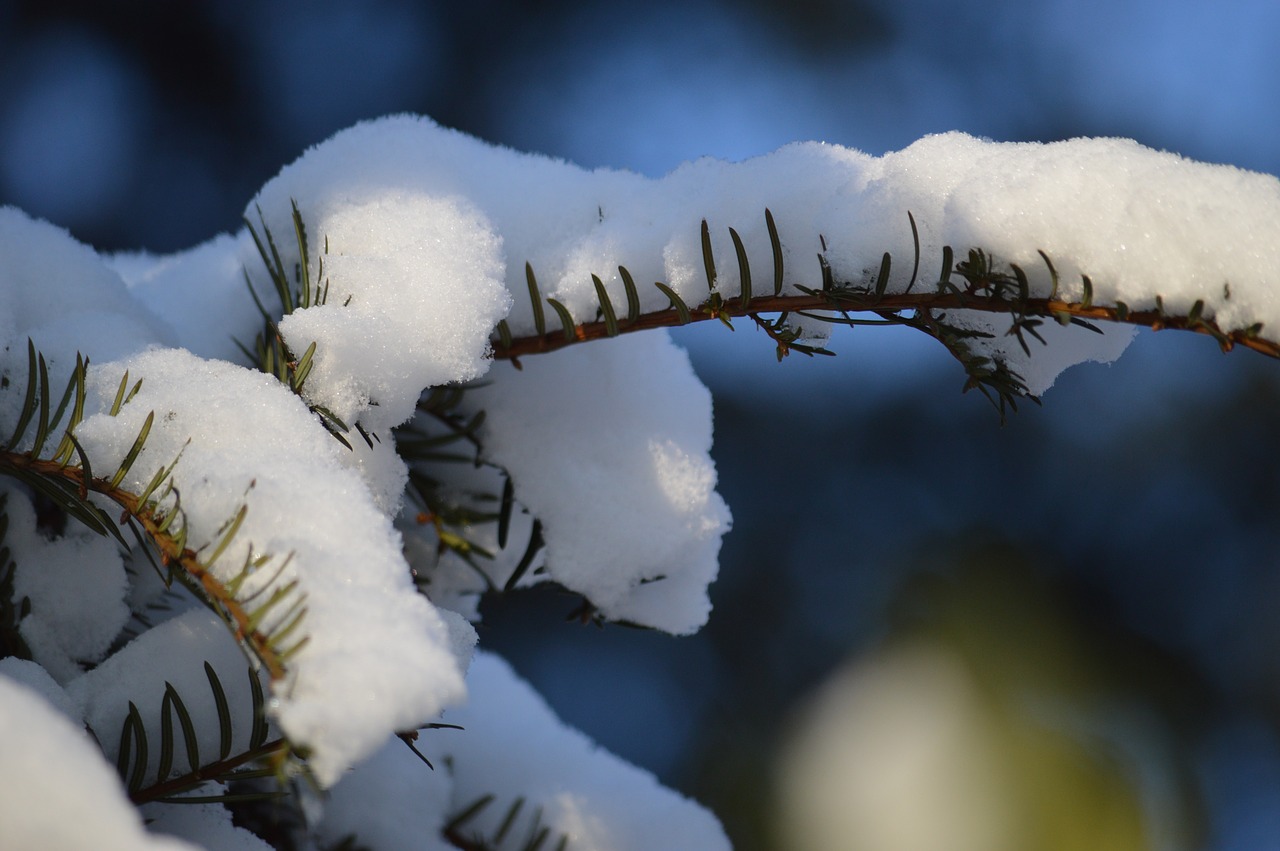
442, 446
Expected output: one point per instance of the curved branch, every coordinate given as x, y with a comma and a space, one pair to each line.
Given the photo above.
170, 545
274, 749
844, 300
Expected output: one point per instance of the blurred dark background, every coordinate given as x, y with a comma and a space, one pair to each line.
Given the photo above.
1130, 522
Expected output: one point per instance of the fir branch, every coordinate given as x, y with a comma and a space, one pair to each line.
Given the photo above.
440, 436
270, 353
133, 749
160, 524
984, 287
223, 770
1156, 318
168, 536
67, 479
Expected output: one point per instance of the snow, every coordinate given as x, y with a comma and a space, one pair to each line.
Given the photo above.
378, 656
645, 552
185, 289
175, 653
58, 292
208, 825
414, 293
36, 678
53, 770
393, 780
422, 236
514, 748
75, 584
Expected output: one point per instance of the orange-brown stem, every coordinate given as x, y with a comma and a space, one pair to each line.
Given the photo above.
172, 553
1034, 307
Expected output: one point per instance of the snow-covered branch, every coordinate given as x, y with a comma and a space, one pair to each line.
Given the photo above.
851, 301
407, 261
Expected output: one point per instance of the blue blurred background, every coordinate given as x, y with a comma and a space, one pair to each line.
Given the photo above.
1133, 518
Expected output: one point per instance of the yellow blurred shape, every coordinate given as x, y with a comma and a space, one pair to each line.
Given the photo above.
905, 751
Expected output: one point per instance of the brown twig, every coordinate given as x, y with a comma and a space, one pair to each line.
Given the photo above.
1034, 307
211, 771
172, 551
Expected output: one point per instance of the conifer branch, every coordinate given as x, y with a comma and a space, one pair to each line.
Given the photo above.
132, 758
169, 539
66, 477
984, 288
1156, 319
219, 770
981, 287
150, 520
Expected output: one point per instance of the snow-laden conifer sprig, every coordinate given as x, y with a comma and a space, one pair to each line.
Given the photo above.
607, 447
23, 456
155, 515
270, 352
265, 616
986, 286
265, 621
266, 627
457, 492
222, 767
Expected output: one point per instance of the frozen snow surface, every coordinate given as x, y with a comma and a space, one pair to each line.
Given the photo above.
207, 825
537, 774
59, 293
645, 552
514, 748
75, 585
417, 239
393, 780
